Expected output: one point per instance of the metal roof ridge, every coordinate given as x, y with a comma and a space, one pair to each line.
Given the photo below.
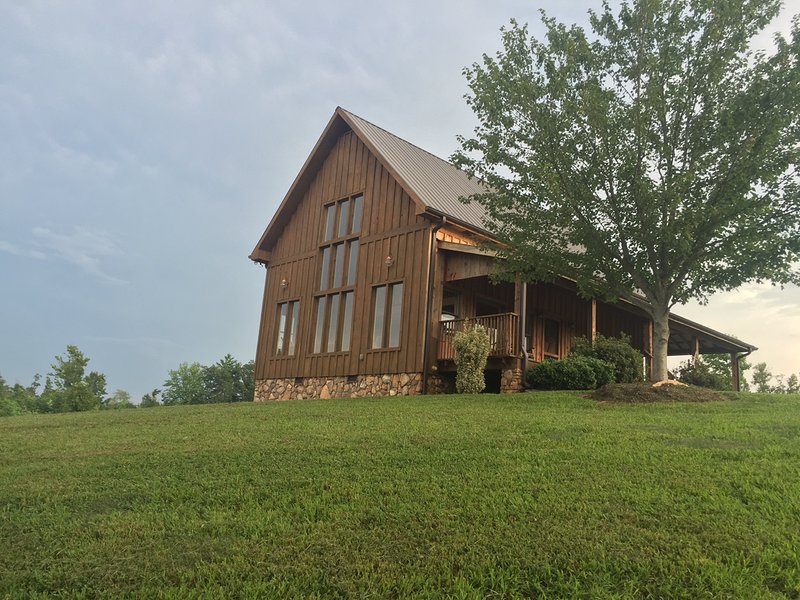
394, 135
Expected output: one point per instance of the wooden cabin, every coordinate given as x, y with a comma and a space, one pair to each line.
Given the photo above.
373, 265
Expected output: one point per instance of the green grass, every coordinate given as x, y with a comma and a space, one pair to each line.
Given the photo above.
544, 495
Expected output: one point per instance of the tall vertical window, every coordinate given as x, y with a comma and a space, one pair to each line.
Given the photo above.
387, 315
338, 271
288, 317
552, 338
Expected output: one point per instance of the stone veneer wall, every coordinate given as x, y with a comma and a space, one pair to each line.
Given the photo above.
362, 386
511, 381
359, 386
441, 384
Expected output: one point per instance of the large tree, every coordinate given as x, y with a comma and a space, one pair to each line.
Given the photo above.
656, 154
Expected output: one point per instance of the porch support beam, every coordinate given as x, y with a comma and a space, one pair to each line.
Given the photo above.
695, 349
521, 308
735, 372
649, 348
592, 320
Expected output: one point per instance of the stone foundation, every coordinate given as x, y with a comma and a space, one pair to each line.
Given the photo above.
441, 384
324, 388
511, 381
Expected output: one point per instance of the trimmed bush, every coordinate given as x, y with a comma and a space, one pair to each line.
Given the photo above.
628, 362
603, 370
472, 347
573, 373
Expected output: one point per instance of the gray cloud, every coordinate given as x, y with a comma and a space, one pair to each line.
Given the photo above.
24, 252
81, 247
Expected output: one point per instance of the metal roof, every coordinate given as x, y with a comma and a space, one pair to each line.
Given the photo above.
436, 183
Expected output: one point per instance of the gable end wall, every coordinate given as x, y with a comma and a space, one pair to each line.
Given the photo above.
390, 226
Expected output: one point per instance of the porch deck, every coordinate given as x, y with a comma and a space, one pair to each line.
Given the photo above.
501, 328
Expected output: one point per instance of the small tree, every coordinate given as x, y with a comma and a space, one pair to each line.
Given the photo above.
68, 389
150, 399
472, 347
761, 378
792, 385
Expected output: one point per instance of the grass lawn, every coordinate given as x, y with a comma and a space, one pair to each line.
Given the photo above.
543, 495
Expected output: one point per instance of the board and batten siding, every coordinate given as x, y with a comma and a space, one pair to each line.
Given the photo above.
390, 227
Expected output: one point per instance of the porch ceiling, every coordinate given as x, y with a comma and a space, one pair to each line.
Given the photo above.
683, 332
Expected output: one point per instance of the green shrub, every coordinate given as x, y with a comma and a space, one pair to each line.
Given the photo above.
603, 370
698, 373
627, 360
573, 373
472, 347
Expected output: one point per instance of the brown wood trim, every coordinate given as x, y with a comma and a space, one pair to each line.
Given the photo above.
381, 235
294, 258
466, 249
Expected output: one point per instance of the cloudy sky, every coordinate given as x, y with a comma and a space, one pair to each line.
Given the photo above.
145, 145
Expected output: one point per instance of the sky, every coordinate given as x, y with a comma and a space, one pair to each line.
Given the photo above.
144, 147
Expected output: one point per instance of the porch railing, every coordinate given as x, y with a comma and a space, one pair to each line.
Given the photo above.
502, 331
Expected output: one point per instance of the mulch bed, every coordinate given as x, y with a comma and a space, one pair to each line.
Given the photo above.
645, 392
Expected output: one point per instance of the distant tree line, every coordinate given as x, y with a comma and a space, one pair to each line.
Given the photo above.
69, 388
227, 380
714, 371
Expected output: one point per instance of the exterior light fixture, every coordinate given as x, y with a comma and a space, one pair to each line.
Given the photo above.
389, 261
284, 283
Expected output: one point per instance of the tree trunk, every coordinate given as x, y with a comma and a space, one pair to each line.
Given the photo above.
660, 342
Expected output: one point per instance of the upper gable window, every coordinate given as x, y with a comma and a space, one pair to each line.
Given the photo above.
343, 218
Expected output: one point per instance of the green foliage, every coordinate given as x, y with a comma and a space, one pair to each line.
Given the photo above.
120, 399
655, 153
227, 380
185, 385
17, 400
627, 361
69, 389
792, 384
698, 373
150, 399
761, 378
472, 347
545, 495
720, 365
602, 369
8, 405
574, 372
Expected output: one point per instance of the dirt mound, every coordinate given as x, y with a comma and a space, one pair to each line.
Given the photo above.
645, 392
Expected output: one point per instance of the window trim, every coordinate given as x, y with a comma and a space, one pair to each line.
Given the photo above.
388, 306
545, 353
292, 324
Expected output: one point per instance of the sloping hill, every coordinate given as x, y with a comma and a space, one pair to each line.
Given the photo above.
450, 496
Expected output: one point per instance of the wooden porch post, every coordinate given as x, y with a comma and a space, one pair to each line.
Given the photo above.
735, 372
520, 308
649, 358
696, 350
592, 320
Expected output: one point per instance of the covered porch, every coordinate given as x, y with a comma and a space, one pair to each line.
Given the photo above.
531, 322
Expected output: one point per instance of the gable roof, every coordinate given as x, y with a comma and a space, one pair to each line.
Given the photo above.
433, 184
436, 183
